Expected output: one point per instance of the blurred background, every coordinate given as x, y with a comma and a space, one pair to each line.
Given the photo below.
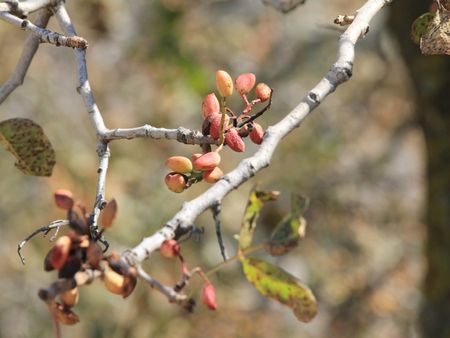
373, 159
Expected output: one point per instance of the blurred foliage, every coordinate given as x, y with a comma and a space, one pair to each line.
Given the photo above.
359, 158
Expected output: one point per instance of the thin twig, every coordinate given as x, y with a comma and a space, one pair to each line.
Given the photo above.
29, 49
45, 229
216, 209
45, 35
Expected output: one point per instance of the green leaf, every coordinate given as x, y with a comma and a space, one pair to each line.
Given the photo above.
288, 232
436, 38
420, 25
30, 146
256, 201
273, 282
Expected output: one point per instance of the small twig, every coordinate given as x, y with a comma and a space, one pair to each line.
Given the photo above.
45, 229
344, 20
216, 209
258, 114
56, 288
45, 35
30, 47
170, 293
56, 326
184, 281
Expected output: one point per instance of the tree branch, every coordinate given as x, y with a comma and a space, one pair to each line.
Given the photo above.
45, 35
25, 7
340, 72
30, 47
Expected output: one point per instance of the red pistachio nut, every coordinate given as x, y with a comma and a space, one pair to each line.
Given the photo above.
169, 248
60, 252
210, 105
212, 176
214, 128
263, 91
180, 164
64, 199
224, 83
257, 133
234, 141
207, 161
209, 296
245, 83
175, 182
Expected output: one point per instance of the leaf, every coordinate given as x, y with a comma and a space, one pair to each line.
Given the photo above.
109, 214
436, 38
288, 232
273, 282
420, 25
30, 146
284, 5
256, 200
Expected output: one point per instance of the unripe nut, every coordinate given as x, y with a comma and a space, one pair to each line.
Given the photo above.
224, 83
234, 141
114, 282
245, 82
64, 199
257, 133
207, 161
175, 182
169, 248
60, 252
70, 297
210, 105
212, 176
209, 296
214, 128
180, 164
263, 91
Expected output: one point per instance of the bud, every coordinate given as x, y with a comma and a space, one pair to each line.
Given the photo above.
224, 83
209, 296
214, 129
169, 248
245, 82
63, 199
70, 297
257, 133
114, 281
212, 176
60, 252
207, 161
263, 91
179, 164
175, 182
234, 141
210, 105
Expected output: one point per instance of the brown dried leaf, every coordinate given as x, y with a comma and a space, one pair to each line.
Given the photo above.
436, 39
109, 214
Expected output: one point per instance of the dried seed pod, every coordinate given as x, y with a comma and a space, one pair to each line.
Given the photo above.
210, 105
64, 315
212, 176
94, 255
234, 141
70, 297
207, 161
114, 281
263, 91
257, 133
224, 83
179, 164
209, 296
214, 128
64, 199
108, 214
77, 218
169, 248
60, 252
175, 182
245, 83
